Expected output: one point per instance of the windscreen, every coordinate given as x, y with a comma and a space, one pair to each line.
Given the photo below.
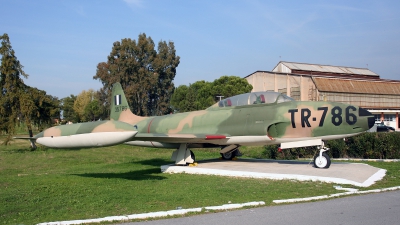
254, 98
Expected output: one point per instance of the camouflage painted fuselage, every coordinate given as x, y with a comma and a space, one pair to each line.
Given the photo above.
258, 124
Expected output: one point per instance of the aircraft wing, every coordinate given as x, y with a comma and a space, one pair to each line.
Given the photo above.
178, 138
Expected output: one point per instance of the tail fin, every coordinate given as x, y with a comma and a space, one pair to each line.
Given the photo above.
120, 110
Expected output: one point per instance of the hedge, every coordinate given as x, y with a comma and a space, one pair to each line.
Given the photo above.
363, 146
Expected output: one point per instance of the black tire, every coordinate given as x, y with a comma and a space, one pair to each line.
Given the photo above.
228, 155
324, 162
193, 156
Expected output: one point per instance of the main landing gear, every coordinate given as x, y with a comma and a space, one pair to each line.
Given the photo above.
184, 156
322, 160
229, 152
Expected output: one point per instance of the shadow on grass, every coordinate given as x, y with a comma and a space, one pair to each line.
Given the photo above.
17, 150
255, 161
153, 162
12, 149
149, 174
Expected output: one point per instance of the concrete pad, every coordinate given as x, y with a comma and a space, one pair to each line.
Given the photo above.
357, 174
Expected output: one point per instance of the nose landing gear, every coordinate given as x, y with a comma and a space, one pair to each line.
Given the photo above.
322, 160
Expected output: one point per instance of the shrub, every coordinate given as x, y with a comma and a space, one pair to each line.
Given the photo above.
364, 146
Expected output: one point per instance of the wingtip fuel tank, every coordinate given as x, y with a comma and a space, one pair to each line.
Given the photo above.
84, 135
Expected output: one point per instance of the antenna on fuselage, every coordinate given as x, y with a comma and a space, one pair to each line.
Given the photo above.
220, 97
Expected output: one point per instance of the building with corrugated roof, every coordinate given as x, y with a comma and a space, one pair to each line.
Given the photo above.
313, 82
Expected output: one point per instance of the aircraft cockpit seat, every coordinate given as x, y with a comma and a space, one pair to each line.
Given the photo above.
228, 102
262, 98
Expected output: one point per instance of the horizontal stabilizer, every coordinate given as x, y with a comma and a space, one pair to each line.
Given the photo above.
25, 138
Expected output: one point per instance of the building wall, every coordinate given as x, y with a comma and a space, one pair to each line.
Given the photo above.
299, 87
368, 101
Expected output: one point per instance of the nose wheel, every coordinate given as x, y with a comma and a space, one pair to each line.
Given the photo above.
322, 160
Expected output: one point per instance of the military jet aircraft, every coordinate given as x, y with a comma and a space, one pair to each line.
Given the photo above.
257, 118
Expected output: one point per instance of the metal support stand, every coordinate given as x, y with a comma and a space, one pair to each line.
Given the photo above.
182, 155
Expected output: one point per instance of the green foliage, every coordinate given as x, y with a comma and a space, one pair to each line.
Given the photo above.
202, 94
270, 152
145, 74
81, 101
92, 110
20, 103
11, 84
178, 99
273, 152
228, 86
338, 148
69, 114
104, 106
38, 108
82, 108
371, 145
86, 106
364, 146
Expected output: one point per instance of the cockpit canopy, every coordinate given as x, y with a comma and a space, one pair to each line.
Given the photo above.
255, 98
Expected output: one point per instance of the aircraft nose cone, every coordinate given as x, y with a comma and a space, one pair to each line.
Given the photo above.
364, 113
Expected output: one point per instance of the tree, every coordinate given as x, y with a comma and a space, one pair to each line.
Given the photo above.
202, 94
165, 67
11, 85
19, 102
92, 110
81, 102
204, 91
69, 114
145, 74
228, 86
178, 99
104, 107
38, 108
48, 110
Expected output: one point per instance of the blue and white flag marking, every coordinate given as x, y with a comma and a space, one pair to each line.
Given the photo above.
117, 99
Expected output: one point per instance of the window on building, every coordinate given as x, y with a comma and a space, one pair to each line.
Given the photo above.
377, 118
295, 93
283, 91
389, 117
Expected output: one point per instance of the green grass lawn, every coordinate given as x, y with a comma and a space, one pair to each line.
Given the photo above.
52, 185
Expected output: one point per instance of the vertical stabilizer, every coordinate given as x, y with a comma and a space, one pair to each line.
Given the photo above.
120, 108
118, 102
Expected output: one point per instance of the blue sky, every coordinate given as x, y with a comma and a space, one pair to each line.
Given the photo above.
60, 43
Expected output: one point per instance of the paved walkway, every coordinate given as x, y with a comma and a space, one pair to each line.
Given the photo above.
357, 174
